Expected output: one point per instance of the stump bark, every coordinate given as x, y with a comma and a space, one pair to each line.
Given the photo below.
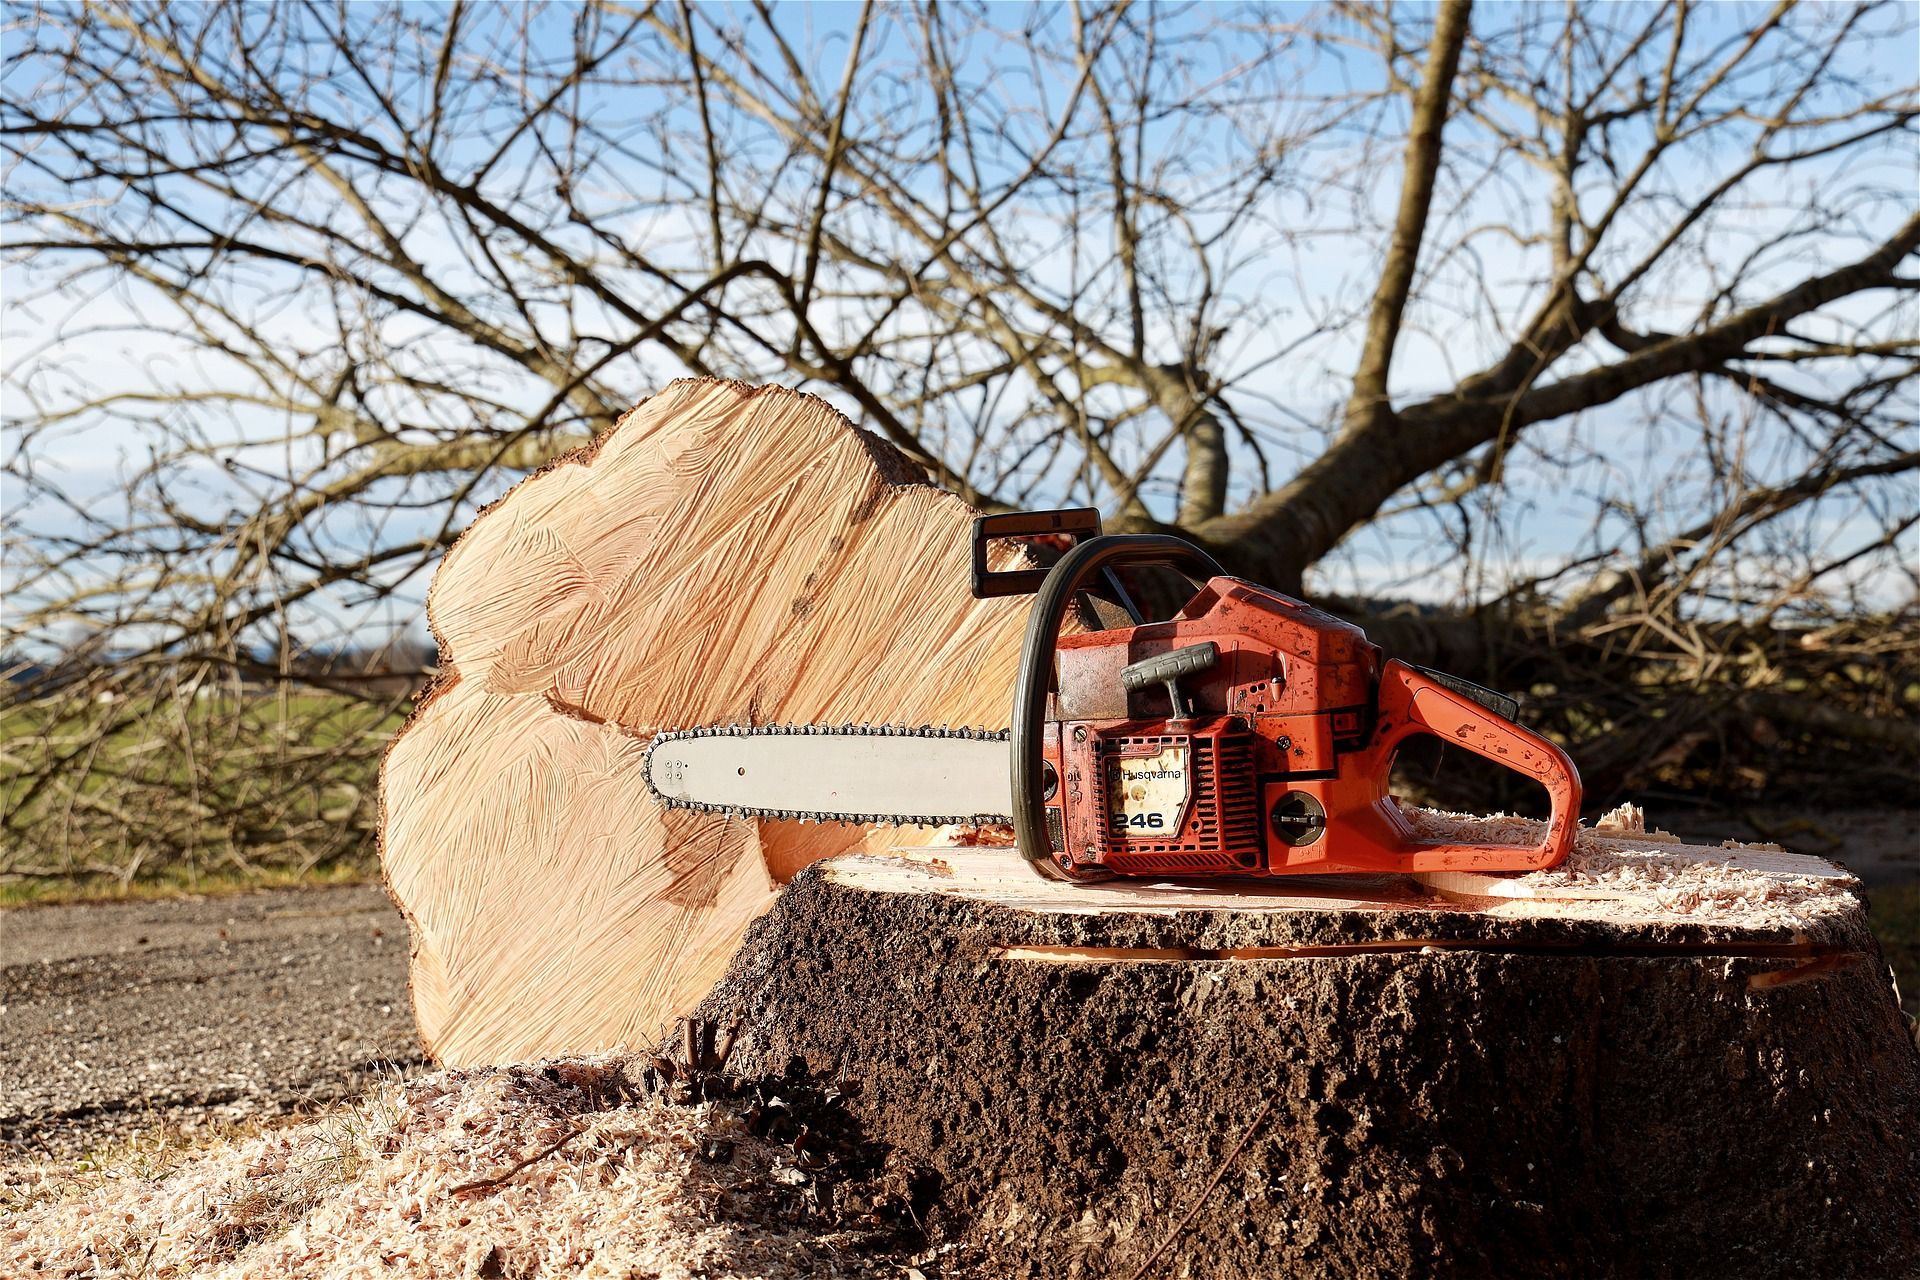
1684, 1066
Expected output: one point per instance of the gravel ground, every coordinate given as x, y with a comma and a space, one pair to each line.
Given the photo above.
115, 1016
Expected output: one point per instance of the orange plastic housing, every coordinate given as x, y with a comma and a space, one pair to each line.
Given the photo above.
1285, 743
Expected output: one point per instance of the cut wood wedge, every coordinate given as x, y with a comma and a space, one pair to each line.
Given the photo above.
725, 554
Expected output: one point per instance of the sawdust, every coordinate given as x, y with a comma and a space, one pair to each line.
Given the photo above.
992, 835
410, 1182
1630, 872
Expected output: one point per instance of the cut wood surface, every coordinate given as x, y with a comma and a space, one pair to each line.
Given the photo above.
1620, 870
1644, 889
1362, 1077
724, 554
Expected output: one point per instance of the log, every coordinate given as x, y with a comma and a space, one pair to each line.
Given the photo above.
1659, 1059
724, 554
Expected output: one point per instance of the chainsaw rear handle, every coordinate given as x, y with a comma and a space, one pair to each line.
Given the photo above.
1412, 702
1036, 665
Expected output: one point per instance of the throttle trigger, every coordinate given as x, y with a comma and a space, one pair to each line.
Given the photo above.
1506, 706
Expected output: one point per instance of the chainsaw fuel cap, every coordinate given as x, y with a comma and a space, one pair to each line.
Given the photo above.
1298, 819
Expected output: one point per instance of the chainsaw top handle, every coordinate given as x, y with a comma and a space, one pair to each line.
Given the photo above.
1050, 605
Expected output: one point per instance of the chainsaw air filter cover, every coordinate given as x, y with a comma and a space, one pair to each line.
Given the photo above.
1168, 802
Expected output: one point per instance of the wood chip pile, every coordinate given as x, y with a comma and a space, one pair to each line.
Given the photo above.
433, 1178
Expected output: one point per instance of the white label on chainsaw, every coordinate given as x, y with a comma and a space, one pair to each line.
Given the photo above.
1147, 795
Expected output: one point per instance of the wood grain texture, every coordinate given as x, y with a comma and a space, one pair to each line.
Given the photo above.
724, 554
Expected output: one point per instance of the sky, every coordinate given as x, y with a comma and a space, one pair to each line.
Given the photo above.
1300, 256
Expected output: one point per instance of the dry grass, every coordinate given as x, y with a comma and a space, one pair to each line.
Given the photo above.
173, 882
129, 778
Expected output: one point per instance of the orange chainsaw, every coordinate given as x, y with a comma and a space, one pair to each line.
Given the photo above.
1250, 734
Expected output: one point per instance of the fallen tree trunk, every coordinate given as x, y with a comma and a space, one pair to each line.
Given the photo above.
724, 554
1657, 1060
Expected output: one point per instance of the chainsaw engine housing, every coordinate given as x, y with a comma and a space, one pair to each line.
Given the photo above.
1145, 787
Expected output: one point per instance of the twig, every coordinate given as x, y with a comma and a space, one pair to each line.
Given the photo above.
498, 1178
146, 1259
725, 1050
1219, 1172
691, 1033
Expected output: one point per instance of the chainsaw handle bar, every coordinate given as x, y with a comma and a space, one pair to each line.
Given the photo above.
1036, 667
1411, 703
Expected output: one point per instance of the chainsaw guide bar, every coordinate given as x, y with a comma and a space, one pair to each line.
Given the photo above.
713, 769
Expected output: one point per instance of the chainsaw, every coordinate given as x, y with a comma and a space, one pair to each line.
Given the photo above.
1251, 734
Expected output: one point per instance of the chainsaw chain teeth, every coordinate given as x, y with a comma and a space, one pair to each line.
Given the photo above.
839, 731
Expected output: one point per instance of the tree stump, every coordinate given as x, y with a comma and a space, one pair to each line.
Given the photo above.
1656, 1060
